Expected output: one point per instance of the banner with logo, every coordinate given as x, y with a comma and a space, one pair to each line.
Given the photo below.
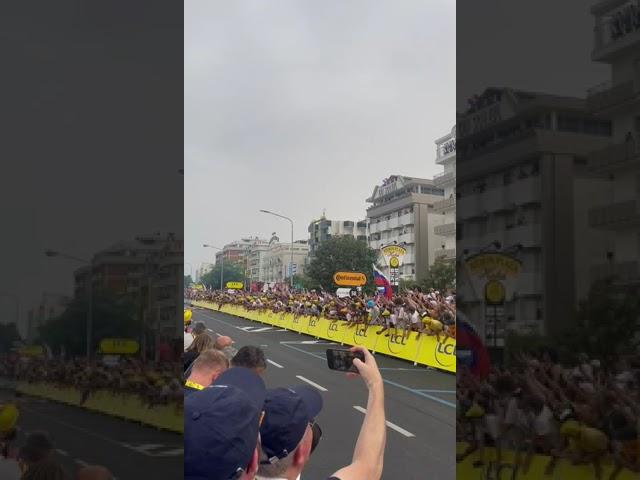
393, 257
564, 469
425, 351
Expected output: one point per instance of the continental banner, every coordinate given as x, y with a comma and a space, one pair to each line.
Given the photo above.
564, 469
425, 351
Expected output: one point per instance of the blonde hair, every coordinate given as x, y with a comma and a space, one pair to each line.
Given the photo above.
201, 343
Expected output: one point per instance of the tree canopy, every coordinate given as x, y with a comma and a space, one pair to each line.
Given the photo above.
233, 272
341, 254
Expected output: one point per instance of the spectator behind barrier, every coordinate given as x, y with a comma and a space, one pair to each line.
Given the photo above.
45, 470
287, 432
9, 467
250, 357
204, 371
37, 448
221, 427
201, 343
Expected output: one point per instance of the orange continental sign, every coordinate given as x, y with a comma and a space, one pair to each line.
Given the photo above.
349, 279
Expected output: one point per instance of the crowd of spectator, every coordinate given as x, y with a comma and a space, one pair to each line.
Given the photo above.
429, 313
586, 410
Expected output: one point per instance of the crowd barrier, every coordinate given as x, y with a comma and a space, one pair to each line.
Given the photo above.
564, 469
125, 406
424, 351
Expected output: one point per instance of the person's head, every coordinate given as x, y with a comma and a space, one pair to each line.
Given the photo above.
37, 448
221, 427
45, 470
201, 343
223, 342
8, 421
288, 433
208, 366
198, 329
250, 357
94, 472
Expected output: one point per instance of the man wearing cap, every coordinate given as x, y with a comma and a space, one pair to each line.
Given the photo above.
221, 427
288, 434
9, 467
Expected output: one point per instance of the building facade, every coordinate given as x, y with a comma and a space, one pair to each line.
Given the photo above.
277, 259
402, 212
446, 156
50, 306
517, 194
617, 213
323, 229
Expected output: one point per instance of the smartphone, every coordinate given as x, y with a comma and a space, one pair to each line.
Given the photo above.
342, 360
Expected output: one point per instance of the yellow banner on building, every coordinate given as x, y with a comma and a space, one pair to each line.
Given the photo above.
426, 350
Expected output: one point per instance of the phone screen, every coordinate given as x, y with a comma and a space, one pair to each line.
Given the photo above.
342, 360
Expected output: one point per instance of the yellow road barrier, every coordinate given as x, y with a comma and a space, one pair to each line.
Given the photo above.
425, 351
126, 406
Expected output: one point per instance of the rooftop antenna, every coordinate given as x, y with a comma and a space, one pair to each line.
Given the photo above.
324, 213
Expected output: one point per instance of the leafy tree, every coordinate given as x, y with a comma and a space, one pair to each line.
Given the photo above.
303, 281
8, 334
113, 317
233, 272
441, 275
188, 281
341, 254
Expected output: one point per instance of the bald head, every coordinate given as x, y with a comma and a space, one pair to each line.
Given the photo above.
94, 472
223, 342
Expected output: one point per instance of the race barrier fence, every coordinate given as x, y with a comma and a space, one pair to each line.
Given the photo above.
564, 469
426, 350
125, 406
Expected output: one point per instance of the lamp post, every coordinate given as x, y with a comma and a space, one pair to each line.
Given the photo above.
53, 253
221, 263
291, 222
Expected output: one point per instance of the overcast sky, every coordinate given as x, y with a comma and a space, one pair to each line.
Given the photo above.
299, 106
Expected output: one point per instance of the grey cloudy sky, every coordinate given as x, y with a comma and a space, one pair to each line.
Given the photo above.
299, 106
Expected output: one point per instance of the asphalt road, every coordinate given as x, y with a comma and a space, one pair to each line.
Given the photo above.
420, 402
80, 437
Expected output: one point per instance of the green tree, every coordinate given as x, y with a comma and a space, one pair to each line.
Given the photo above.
113, 317
303, 281
233, 272
341, 254
188, 281
8, 335
441, 275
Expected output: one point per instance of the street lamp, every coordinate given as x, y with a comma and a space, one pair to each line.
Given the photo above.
291, 222
53, 253
221, 263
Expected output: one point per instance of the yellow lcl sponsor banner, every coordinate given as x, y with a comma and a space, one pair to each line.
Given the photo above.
564, 469
425, 351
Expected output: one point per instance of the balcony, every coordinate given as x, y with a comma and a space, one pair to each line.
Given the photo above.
407, 219
611, 37
446, 253
606, 98
524, 191
406, 238
617, 216
393, 222
470, 206
525, 235
444, 178
621, 272
494, 199
624, 155
445, 230
445, 205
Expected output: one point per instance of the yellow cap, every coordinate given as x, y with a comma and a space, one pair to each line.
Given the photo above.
187, 315
475, 411
8, 417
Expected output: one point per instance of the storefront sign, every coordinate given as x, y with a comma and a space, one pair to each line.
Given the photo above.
349, 279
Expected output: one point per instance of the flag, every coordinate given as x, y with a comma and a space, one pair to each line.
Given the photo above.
470, 349
380, 280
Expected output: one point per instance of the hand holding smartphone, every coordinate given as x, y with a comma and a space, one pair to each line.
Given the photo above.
342, 360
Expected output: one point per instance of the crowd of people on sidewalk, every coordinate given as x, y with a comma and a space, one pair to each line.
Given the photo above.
428, 313
586, 410
237, 428
154, 383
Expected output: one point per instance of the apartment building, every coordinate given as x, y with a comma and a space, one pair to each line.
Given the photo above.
402, 212
277, 261
517, 194
323, 229
446, 156
617, 213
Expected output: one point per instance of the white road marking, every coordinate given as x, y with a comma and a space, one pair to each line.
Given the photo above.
274, 363
263, 329
171, 453
82, 463
309, 342
62, 452
393, 426
313, 384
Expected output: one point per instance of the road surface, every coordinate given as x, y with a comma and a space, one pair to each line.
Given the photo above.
420, 402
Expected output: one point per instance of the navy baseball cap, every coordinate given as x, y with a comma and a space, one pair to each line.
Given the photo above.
287, 413
221, 425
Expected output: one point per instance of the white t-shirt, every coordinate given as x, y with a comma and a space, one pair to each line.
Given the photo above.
188, 340
415, 318
543, 423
